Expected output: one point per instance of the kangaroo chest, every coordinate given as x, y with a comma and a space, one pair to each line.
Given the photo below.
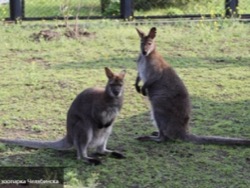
108, 116
142, 68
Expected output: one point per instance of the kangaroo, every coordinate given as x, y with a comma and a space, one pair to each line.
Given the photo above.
90, 120
169, 98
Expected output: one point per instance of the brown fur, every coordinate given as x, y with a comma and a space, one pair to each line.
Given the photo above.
89, 121
169, 98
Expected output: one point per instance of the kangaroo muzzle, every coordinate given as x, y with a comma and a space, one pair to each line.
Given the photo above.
146, 50
116, 92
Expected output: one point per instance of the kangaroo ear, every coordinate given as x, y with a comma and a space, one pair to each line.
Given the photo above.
122, 74
152, 33
141, 33
109, 73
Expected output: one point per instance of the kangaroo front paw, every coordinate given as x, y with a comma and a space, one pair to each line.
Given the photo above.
137, 88
143, 91
117, 155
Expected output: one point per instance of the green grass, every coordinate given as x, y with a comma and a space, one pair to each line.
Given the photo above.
42, 8
54, 8
40, 80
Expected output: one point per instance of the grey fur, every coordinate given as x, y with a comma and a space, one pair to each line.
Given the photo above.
90, 120
169, 98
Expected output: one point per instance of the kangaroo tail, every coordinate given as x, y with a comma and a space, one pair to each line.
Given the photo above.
216, 140
61, 144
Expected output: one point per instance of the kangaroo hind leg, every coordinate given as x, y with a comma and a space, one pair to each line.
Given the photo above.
157, 136
82, 140
102, 150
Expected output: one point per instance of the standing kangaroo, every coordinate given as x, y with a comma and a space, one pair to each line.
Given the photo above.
89, 121
169, 98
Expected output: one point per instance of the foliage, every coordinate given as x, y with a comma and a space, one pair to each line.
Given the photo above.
3, 12
113, 8
72, 178
147, 5
104, 4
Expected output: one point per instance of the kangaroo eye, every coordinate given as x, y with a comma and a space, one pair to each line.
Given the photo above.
116, 85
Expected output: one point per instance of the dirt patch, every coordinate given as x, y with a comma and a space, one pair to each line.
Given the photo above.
24, 128
17, 133
47, 35
78, 33
69, 32
63, 84
39, 61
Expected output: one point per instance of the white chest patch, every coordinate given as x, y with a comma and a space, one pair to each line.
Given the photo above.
141, 67
100, 136
109, 115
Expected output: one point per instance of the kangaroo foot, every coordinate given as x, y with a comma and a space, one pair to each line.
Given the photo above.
117, 155
143, 138
97, 154
150, 138
94, 161
155, 133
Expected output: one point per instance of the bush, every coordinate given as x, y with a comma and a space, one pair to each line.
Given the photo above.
113, 8
149, 4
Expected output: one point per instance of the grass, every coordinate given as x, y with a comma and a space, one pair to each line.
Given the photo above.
62, 8
54, 8
40, 80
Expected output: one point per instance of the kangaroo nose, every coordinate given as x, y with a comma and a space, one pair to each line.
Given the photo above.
116, 93
144, 52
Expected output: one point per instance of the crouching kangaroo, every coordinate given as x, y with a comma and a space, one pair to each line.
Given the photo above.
169, 98
90, 120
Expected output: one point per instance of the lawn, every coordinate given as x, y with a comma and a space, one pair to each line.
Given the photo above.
39, 80
56, 8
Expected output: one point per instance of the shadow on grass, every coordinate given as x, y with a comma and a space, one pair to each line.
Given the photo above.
176, 62
208, 118
120, 63
201, 62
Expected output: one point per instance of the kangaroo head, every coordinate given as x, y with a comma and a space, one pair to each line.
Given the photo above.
147, 41
115, 82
